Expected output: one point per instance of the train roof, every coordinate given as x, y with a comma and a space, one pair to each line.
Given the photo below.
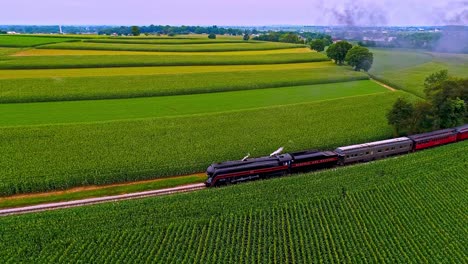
374, 144
441, 132
234, 163
463, 128
313, 153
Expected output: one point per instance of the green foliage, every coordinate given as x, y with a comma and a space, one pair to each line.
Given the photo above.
338, 51
400, 115
435, 79
446, 106
212, 36
246, 37
422, 119
448, 97
360, 58
399, 210
51, 157
317, 45
287, 37
135, 31
113, 87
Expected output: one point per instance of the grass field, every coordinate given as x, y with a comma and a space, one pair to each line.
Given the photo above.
65, 52
169, 41
123, 71
401, 210
29, 41
408, 69
111, 87
174, 47
103, 110
40, 158
104, 61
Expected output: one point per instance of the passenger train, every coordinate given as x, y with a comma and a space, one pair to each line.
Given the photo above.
280, 164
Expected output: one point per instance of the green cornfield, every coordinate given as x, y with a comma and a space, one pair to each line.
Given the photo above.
51, 157
409, 209
30, 41
113, 87
213, 46
104, 61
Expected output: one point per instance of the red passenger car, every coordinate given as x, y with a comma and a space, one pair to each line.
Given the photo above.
436, 138
462, 132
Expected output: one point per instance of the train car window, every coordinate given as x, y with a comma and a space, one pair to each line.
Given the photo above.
379, 150
367, 153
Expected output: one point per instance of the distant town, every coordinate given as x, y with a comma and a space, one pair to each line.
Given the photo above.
437, 38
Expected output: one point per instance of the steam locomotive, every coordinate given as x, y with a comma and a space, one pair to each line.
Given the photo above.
278, 164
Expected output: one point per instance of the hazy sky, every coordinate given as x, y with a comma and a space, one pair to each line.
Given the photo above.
235, 12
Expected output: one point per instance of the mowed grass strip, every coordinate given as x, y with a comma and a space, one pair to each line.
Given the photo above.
174, 47
55, 157
413, 207
65, 52
105, 61
103, 110
30, 41
114, 87
123, 71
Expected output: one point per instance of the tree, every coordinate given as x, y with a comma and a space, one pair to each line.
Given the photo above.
212, 36
360, 58
317, 45
451, 113
135, 31
400, 115
338, 51
246, 37
432, 81
423, 118
290, 38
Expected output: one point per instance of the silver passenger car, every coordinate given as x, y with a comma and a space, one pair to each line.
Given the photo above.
374, 150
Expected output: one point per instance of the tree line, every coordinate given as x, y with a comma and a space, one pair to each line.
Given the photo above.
445, 107
170, 30
360, 58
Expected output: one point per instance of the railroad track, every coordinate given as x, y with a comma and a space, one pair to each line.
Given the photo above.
97, 200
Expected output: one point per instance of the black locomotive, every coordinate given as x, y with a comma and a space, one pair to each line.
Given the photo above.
280, 164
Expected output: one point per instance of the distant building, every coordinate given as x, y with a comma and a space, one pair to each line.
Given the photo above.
12, 33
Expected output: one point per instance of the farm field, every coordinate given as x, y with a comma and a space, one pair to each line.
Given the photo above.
103, 110
66, 52
174, 47
400, 210
407, 69
167, 41
80, 120
30, 41
123, 71
111, 87
103, 61
64, 156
